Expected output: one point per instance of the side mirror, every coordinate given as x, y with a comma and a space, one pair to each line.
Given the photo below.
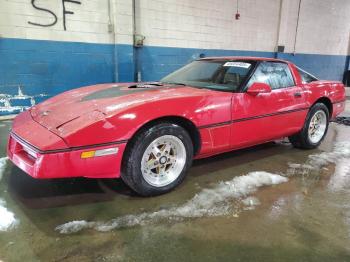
257, 88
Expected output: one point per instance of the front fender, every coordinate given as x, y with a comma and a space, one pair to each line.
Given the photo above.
123, 124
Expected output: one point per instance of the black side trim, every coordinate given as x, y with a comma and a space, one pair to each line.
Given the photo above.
268, 115
43, 152
215, 125
253, 117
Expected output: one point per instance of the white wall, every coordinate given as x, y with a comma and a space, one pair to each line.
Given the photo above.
89, 23
323, 28
210, 24
123, 21
324, 25
288, 24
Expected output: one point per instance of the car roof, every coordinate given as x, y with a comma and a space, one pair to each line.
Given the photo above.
230, 58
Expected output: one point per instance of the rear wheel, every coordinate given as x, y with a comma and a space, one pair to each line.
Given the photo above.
157, 159
315, 128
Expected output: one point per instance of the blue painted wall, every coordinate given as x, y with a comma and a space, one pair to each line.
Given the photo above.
33, 70
52, 67
125, 63
157, 62
330, 67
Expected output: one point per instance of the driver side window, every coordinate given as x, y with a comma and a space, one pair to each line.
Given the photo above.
276, 75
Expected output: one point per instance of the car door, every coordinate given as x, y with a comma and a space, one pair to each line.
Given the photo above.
267, 116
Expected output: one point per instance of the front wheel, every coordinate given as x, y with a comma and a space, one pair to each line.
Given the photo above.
157, 159
315, 128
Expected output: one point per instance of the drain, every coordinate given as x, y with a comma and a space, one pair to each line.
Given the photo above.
342, 120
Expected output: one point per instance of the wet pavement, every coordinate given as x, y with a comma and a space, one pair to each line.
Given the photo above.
267, 203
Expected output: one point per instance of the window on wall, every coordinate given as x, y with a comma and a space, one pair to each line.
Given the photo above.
306, 77
276, 75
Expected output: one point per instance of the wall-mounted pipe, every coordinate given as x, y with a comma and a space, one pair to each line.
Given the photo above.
278, 28
135, 33
111, 30
296, 29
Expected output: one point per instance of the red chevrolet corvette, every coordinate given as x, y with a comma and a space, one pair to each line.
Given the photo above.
148, 133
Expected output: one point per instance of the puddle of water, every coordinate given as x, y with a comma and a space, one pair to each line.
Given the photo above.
209, 202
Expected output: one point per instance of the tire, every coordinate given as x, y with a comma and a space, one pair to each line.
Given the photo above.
305, 138
157, 159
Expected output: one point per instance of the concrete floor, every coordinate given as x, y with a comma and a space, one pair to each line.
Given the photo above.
306, 218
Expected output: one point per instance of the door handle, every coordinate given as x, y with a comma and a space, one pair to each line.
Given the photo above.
297, 94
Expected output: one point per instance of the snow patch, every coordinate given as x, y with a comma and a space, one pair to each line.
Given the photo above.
340, 153
341, 150
208, 202
74, 226
341, 178
7, 218
339, 156
3, 162
250, 203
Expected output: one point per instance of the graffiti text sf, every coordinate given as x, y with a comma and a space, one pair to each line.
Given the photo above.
44, 9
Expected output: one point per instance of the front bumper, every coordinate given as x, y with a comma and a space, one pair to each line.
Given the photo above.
63, 163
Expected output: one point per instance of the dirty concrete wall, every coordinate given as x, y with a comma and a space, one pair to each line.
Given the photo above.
45, 50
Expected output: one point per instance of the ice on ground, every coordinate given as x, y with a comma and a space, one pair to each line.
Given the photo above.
7, 218
209, 202
339, 156
218, 200
3, 162
340, 152
74, 226
250, 203
341, 177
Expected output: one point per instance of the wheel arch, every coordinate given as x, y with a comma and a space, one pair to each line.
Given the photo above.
327, 102
185, 123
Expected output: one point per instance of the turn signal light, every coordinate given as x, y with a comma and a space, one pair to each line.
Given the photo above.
101, 152
87, 154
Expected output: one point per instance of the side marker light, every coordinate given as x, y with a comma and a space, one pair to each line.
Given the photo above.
101, 152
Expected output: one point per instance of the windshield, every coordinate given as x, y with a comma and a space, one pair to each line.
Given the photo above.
213, 74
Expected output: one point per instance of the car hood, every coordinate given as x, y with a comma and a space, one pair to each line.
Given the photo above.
90, 104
